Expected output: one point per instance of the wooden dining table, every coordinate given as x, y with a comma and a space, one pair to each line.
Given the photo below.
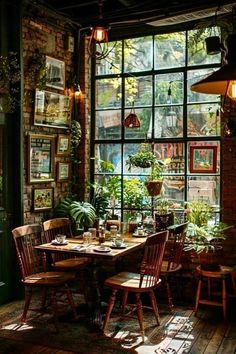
76, 247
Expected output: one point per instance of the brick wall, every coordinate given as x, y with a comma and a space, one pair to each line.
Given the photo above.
47, 37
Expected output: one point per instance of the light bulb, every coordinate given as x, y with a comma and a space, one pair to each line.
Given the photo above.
231, 91
99, 34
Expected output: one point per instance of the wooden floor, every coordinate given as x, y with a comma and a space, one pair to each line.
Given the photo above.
182, 332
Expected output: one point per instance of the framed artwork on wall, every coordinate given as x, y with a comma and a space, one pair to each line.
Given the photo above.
203, 159
63, 145
52, 109
63, 171
55, 73
40, 158
43, 199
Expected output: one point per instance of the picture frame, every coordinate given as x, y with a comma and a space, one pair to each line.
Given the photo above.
52, 109
55, 73
203, 159
43, 199
63, 145
63, 171
40, 158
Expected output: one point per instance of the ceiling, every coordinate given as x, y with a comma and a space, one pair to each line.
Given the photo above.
131, 15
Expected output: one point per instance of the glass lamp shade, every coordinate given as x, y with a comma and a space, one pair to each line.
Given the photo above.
132, 121
99, 33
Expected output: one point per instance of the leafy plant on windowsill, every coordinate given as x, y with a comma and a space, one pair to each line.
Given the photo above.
203, 235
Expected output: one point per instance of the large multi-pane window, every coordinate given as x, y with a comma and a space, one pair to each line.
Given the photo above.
151, 76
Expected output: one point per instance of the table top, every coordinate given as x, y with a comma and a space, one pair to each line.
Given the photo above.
76, 247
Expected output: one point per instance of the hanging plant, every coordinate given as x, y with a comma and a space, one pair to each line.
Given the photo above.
37, 70
10, 76
76, 134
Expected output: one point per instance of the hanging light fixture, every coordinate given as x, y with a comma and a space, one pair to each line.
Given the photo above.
98, 47
222, 81
132, 120
171, 116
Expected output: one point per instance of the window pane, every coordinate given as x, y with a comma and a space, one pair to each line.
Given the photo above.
174, 188
169, 50
138, 54
108, 93
203, 119
112, 63
168, 122
112, 188
138, 90
162, 85
205, 188
173, 151
197, 49
195, 76
108, 152
204, 158
144, 115
108, 124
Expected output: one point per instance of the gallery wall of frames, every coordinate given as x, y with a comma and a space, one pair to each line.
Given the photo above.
47, 118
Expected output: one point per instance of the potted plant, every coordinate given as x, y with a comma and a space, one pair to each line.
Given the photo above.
164, 215
145, 158
82, 214
204, 236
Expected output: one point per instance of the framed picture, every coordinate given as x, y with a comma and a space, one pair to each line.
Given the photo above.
40, 158
43, 199
63, 145
55, 73
52, 109
63, 171
203, 159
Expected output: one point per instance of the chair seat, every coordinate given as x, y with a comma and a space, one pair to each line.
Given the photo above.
73, 264
127, 280
51, 279
172, 267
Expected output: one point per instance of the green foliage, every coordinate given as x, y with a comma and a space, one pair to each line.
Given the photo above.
202, 235
10, 76
37, 70
82, 214
199, 212
144, 158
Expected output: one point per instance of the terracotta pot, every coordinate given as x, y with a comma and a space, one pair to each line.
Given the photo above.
154, 187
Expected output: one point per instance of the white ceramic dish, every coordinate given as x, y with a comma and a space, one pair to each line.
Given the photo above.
119, 247
137, 235
102, 249
56, 243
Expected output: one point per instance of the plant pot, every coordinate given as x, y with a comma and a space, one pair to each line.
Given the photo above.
154, 187
132, 225
212, 45
210, 260
164, 220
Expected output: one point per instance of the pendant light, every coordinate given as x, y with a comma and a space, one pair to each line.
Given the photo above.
171, 117
132, 120
222, 81
98, 47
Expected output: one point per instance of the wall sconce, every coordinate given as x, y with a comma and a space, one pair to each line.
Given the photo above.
73, 88
98, 46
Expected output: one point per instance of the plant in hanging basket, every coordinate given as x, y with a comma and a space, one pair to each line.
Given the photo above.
144, 158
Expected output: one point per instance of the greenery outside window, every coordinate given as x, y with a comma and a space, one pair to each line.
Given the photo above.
152, 76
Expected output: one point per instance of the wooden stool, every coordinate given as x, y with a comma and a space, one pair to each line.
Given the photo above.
222, 275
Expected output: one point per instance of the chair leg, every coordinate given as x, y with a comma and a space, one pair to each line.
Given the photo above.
28, 296
124, 300
55, 308
169, 294
109, 308
154, 306
140, 314
43, 298
198, 295
71, 302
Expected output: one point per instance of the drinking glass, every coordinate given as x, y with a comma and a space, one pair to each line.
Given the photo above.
87, 238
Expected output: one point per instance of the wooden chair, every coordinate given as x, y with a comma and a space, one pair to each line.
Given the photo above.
144, 282
57, 226
34, 276
172, 257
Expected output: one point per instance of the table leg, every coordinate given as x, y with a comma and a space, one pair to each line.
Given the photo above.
93, 293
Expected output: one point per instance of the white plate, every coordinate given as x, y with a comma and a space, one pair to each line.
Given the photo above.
137, 235
102, 249
123, 245
55, 242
